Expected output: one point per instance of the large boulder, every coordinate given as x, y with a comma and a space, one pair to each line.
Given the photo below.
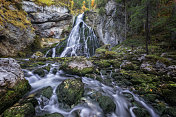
70, 91
16, 31
12, 83
48, 21
78, 65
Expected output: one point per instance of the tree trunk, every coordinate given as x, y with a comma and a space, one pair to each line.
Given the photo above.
147, 29
125, 19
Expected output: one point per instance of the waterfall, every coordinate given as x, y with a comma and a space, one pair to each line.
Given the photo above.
82, 41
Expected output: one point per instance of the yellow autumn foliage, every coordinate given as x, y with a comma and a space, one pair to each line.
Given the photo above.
14, 16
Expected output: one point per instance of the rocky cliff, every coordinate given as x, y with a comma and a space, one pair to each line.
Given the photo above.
16, 31
48, 21
110, 25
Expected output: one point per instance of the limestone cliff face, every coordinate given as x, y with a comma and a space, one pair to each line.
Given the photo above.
16, 31
48, 21
110, 26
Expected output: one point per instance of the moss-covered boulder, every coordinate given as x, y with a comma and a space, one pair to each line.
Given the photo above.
26, 110
78, 65
39, 72
106, 104
12, 83
70, 91
46, 92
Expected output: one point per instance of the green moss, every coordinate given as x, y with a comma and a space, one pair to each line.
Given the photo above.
70, 91
40, 72
16, 17
155, 58
106, 104
103, 63
14, 94
110, 54
47, 92
168, 93
20, 111
48, 67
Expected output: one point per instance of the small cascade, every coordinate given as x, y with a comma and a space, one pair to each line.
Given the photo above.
82, 41
90, 108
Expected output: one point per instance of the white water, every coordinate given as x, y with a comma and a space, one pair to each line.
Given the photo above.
90, 108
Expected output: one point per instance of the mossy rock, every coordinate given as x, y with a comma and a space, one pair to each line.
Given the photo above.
70, 91
52, 115
12, 96
168, 92
47, 68
54, 71
29, 99
140, 112
26, 110
47, 92
106, 104
39, 72
77, 65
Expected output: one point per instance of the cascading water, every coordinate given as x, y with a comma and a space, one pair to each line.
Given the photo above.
90, 108
82, 41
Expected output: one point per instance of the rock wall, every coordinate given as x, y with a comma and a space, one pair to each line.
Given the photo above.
16, 31
110, 27
48, 21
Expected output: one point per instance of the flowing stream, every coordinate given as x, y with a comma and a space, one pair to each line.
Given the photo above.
82, 41
90, 108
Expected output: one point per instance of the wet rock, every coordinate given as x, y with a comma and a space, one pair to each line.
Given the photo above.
54, 71
26, 110
70, 91
12, 83
106, 104
39, 72
78, 65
